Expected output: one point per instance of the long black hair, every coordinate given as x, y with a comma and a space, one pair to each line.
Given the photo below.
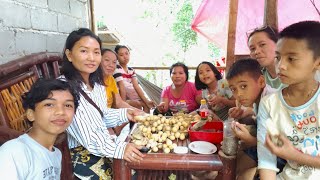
118, 47
68, 70
200, 85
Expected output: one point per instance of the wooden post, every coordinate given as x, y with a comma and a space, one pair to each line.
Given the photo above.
232, 25
271, 13
92, 19
120, 170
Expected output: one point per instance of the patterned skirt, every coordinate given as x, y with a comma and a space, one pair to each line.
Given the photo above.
88, 166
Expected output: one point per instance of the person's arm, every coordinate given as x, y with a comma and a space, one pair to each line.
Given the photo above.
289, 152
242, 133
122, 90
141, 93
90, 130
93, 134
111, 117
267, 174
120, 82
228, 102
119, 103
198, 98
267, 162
164, 101
164, 105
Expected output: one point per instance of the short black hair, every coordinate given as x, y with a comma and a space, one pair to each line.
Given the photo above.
43, 88
180, 64
305, 30
242, 66
200, 85
116, 49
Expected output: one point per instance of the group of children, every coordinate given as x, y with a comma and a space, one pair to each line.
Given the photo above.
288, 114
291, 107
278, 88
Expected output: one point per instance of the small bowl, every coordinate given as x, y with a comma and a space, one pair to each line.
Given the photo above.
180, 150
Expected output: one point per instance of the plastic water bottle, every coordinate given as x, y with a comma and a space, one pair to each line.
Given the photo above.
230, 141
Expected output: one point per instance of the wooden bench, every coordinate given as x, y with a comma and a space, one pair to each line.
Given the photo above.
16, 77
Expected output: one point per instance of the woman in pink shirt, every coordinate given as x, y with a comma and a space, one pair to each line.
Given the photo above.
181, 95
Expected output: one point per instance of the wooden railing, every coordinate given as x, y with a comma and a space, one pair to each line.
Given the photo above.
162, 77
166, 68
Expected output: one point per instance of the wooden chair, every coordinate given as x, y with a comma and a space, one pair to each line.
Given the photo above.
16, 78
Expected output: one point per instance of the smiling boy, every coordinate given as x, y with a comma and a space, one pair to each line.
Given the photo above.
50, 106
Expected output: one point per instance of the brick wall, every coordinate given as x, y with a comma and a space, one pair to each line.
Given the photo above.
30, 26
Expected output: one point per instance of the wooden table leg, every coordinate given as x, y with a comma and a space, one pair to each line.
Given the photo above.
120, 170
229, 167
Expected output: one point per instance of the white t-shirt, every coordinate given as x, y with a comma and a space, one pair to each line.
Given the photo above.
25, 159
302, 127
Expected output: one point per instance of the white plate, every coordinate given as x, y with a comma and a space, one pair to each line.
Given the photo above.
202, 147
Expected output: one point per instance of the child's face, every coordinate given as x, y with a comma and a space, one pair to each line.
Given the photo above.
124, 56
53, 115
295, 61
85, 55
246, 89
108, 63
178, 76
206, 75
262, 48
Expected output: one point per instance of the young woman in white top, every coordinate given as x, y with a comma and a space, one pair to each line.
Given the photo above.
88, 134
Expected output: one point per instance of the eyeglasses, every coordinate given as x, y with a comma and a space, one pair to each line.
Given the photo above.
266, 28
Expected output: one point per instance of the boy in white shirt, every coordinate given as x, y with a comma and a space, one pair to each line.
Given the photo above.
50, 106
292, 113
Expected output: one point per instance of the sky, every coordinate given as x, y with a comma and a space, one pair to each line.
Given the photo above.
149, 42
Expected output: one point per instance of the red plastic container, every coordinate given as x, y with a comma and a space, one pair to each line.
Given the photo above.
213, 137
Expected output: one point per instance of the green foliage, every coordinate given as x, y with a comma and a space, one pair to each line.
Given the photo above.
215, 50
182, 27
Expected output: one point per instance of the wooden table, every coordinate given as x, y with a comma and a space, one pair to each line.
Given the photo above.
180, 162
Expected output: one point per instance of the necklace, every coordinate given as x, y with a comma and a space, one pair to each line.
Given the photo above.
308, 95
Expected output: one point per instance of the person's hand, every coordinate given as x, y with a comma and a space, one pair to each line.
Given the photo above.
215, 100
242, 133
133, 112
236, 112
286, 151
161, 107
151, 104
132, 153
